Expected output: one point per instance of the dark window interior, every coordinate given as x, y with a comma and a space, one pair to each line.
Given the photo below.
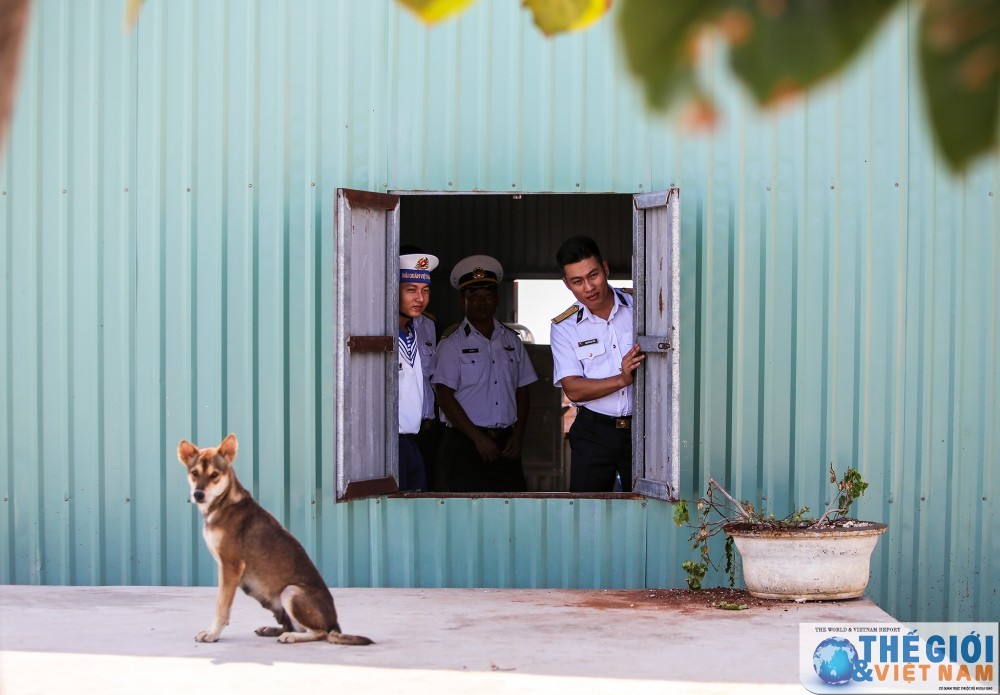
523, 233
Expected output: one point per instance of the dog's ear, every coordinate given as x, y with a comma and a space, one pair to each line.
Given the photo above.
227, 449
186, 452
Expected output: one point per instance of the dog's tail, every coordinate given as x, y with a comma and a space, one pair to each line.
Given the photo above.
352, 640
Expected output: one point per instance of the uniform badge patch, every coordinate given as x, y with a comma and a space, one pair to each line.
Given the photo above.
592, 341
469, 350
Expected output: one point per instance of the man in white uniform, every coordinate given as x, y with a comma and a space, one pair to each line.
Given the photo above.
595, 359
481, 381
429, 437
414, 295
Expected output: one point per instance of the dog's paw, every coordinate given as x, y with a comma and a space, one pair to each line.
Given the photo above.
307, 636
269, 631
206, 636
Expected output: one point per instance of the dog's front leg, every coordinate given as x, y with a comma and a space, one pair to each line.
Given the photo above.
230, 573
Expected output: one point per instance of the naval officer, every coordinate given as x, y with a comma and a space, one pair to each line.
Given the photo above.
481, 381
594, 359
425, 327
416, 364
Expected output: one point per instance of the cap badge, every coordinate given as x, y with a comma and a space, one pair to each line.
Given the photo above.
422, 263
478, 274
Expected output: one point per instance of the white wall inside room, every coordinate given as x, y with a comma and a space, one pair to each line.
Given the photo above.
537, 301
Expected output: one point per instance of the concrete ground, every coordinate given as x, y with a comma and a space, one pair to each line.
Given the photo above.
141, 640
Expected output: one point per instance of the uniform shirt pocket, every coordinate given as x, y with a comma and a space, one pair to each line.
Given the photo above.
427, 356
472, 366
589, 352
509, 362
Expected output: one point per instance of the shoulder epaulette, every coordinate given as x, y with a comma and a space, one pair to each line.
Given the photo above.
566, 314
449, 330
429, 315
626, 290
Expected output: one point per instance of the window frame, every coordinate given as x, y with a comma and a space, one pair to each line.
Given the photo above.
367, 231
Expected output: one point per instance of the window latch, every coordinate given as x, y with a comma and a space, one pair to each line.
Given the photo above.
652, 343
371, 343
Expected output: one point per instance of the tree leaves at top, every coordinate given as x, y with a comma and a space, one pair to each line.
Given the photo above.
660, 42
959, 52
558, 16
435, 10
551, 16
779, 48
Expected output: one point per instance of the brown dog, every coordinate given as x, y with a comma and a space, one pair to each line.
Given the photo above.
256, 553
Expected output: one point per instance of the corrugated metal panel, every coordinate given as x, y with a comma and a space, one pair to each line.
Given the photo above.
167, 260
491, 542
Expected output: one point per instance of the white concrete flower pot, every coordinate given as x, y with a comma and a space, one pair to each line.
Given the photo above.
810, 564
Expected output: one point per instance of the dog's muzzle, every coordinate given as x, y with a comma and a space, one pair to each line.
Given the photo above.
199, 495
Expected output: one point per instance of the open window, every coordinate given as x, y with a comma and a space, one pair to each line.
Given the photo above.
638, 236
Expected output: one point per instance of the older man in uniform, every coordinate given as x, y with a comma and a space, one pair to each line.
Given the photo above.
481, 381
416, 364
595, 359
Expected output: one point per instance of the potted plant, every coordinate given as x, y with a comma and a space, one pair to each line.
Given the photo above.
792, 558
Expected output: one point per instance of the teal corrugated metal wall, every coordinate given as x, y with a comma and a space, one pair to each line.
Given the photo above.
167, 259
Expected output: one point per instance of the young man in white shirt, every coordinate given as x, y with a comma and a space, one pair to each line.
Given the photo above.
595, 359
414, 295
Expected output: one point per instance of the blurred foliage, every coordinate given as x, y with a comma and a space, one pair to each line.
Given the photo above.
435, 10
959, 53
780, 48
557, 16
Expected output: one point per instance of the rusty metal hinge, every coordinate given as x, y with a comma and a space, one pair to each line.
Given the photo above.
371, 343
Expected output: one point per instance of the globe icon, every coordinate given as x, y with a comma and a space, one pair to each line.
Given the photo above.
834, 660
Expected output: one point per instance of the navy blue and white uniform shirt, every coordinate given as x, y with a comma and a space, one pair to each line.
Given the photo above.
426, 335
411, 385
485, 374
586, 345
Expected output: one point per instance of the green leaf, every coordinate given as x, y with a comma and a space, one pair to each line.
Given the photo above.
557, 16
435, 10
959, 53
696, 572
660, 37
779, 48
681, 515
731, 560
726, 606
